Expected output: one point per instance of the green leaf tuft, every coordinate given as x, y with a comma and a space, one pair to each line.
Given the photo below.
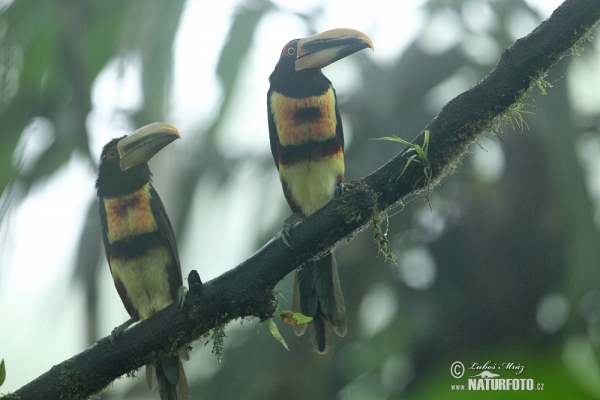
275, 332
2, 372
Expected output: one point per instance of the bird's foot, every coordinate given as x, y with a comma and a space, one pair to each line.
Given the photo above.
339, 189
286, 235
114, 335
181, 296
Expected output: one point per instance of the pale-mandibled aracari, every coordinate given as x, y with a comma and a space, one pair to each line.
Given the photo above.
307, 142
139, 242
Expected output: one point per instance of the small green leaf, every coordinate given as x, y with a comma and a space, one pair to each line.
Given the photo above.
420, 157
301, 318
393, 139
280, 294
2, 372
275, 332
292, 318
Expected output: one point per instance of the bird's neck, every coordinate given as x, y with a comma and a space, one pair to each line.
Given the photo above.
122, 183
303, 84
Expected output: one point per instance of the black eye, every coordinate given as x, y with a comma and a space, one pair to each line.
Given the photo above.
112, 154
291, 51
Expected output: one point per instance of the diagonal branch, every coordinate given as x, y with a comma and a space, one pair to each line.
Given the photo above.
247, 289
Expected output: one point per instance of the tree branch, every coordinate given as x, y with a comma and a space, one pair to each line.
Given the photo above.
247, 289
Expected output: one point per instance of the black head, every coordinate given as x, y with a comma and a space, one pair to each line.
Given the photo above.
298, 72
287, 58
124, 161
112, 181
287, 81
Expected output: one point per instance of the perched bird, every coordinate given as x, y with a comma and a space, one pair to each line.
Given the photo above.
307, 143
139, 241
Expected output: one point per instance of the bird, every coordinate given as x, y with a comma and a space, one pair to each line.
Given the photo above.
139, 241
307, 144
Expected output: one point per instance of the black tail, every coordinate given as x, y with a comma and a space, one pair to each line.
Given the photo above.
317, 294
172, 382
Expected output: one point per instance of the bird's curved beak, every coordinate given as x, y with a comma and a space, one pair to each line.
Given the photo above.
143, 144
318, 51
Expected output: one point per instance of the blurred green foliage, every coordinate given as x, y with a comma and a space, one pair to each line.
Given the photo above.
504, 266
2, 372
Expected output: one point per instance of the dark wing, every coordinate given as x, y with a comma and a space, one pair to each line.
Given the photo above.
104, 225
339, 130
273, 137
163, 226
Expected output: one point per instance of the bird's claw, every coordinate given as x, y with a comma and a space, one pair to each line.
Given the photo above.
181, 296
286, 235
114, 335
339, 189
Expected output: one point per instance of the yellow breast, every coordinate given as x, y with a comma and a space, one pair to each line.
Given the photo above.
312, 183
145, 279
